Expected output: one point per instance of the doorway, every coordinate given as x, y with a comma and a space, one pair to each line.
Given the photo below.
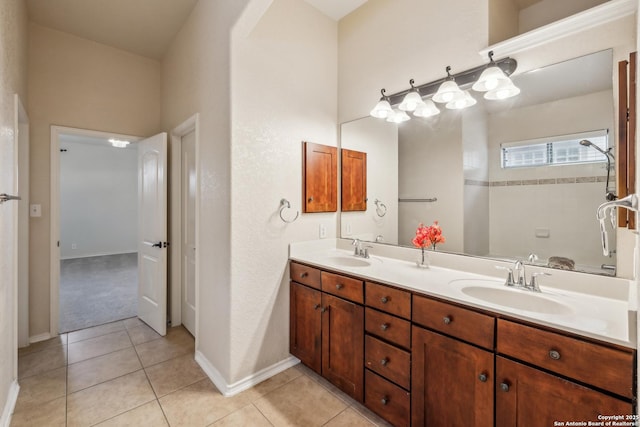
98, 220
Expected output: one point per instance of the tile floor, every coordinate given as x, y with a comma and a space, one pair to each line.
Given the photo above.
124, 374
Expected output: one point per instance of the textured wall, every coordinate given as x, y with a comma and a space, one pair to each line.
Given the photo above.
13, 69
292, 98
78, 83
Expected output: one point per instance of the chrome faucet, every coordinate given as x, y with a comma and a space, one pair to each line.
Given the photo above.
516, 277
359, 251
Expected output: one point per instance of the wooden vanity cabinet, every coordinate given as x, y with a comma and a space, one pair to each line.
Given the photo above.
529, 397
327, 332
320, 178
354, 180
452, 381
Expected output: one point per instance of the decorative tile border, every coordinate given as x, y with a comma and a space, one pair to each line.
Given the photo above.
542, 181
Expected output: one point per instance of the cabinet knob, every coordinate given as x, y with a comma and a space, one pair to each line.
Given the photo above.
384, 400
310, 199
504, 387
384, 300
483, 377
384, 361
446, 320
339, 286
317, 306
323, 309
555, 355
303, 275
384, 326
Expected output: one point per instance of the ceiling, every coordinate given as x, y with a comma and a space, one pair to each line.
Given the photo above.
336, 9
144, 27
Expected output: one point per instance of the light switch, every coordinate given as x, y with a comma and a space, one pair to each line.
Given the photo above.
35, 210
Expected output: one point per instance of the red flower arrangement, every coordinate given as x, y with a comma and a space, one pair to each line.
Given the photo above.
428, 236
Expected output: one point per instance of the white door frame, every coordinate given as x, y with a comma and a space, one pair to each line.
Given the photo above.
21, 135
54, 251
175, 213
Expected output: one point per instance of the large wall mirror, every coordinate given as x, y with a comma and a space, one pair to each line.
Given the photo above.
504, 179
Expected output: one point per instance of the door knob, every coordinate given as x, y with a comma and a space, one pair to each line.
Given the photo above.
157, 245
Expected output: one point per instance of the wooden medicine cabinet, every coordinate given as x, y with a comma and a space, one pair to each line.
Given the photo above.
320, 178
354, 180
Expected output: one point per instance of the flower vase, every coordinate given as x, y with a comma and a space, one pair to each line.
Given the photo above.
424, 261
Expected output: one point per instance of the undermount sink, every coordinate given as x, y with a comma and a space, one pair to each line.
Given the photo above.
518, 299
347, 261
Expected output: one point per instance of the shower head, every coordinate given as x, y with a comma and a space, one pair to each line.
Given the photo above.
588, 143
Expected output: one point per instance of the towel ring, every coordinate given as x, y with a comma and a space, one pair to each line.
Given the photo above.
381, 208
284, 204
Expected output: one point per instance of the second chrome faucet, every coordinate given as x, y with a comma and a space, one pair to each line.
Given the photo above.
516, 277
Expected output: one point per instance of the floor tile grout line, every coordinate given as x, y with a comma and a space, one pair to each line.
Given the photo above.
105, 381
262, 413
97, 336
336, 415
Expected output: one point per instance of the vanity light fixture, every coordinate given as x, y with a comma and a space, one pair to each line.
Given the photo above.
119, 143
398, 116
427, 109
493, 79
412, 100
448, 90
462, 102
383, 109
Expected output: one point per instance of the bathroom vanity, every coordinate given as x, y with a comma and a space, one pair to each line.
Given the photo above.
418, 347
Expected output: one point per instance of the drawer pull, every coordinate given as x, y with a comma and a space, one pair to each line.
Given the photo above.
483, 377
447, 320
384, 326
384, 400
504, 387
339, 286
384, 361
384, 300
303, 275
555, 355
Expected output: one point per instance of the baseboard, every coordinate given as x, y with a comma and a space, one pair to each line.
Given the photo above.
10, 404
40, 337
229, 390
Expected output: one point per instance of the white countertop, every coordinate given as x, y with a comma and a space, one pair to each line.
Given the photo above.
594, 306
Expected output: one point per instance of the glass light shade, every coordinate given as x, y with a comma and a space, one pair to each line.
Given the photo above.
447, 92
398, 116
503, 91
490, 79
463, 102
382, 110
428, 109
411, 101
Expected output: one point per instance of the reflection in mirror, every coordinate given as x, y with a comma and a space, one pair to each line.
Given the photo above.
505, 179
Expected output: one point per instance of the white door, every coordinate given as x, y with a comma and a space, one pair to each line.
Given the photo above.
189, 232
8, 253
152, 232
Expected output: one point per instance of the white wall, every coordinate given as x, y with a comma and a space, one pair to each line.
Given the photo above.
78, 83
379, 139
196, 78
13, 69
284, 80
547, 11
98, 199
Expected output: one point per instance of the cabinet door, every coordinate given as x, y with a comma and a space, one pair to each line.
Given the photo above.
452, 382
528, 397
343, 345
305, 325
354, 180
320, 170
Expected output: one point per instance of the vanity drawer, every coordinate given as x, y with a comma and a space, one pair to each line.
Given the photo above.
391, 328
387, 399
343, 287
388, 361
598, 365
388, 299
304, 274
459, 322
